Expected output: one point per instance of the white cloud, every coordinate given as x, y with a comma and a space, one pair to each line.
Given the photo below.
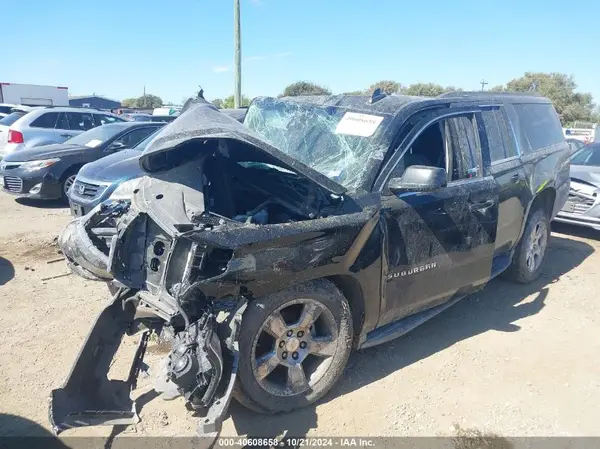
220, 69
254, 58
282, 55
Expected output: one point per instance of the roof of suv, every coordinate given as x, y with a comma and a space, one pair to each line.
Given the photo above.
392, 104
38, 111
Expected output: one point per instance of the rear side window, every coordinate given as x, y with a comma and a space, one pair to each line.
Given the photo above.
5, 109
134, 137
104, 119
540, 125
80, 121
501, 142
47, 120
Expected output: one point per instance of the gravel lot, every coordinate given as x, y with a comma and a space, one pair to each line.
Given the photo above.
513, 360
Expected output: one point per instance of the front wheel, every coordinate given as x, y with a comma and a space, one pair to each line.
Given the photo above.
66, 185
294, 346
527, 261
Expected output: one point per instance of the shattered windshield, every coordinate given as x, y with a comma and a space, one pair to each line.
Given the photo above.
340, 144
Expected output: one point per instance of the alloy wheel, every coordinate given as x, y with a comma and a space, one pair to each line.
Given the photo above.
68, 184
537, 246
293, 348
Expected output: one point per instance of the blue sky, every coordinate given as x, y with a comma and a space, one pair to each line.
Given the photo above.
116, 47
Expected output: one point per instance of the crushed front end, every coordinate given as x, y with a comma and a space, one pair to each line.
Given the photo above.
125, 248
218, 220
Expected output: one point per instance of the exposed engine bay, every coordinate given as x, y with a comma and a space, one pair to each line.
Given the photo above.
169, 255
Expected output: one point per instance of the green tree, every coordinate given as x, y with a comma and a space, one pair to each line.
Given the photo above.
427, 89
304, 88
218, 102
560, 89
356, 92
227, 103
499, 88
129, 102
387, 86
148, 101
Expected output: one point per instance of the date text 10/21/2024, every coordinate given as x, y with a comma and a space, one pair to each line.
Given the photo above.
296, 442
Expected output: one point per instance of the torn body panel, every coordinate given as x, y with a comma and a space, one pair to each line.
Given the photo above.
202, 238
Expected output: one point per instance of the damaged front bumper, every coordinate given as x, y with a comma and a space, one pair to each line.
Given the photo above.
89, 398
202, 363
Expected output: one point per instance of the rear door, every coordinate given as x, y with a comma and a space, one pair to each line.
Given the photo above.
79, 122
501, 153
47, 128
440, 243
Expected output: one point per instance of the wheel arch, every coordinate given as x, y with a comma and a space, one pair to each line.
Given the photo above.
352, 290
543, 199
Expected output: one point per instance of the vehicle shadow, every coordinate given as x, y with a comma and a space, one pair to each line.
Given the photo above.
497, 307
7, 271
19, 432
41, 204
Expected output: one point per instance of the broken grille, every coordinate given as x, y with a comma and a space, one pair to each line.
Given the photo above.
577, 204
13, 184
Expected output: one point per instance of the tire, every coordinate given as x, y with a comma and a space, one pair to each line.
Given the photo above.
68, 177
538, 227
276, 391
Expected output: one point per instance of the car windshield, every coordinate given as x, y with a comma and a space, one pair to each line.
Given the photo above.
12, 118
144, 143
96, 136
588, 155
342, 145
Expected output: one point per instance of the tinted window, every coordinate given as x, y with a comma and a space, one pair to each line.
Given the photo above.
166, 118
80, 121
540, 125
47, 120
144, 143
5, 109
588, 155
105, 119
62, 123
11, 118
134, 137
500, 138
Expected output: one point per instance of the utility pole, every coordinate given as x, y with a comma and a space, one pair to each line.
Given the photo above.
237, 60
483, 83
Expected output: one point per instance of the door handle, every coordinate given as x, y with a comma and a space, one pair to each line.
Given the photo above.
66, 135
515, 178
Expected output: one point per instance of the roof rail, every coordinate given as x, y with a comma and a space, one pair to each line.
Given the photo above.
488, 93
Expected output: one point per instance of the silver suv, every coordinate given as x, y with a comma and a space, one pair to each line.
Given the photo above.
47, 125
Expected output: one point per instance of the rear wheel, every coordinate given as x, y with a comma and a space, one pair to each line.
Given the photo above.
294, 346
528, 258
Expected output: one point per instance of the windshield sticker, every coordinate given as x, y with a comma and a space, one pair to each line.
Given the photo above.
93, 143
355, 124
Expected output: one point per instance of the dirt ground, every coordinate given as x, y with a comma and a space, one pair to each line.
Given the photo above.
513, 360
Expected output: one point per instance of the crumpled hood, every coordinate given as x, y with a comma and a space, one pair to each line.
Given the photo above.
122, 165
205, 123
586, 173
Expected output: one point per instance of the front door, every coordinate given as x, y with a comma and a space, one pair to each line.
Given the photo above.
439, 243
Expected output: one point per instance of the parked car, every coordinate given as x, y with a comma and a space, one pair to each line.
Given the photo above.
318, 225
114, 176
49, 125
583, 205
48, 172
6, 109
574, 145
152, 118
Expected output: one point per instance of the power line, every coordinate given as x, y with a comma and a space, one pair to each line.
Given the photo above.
483, 84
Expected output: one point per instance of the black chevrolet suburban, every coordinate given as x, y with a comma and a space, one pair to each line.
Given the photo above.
263, 252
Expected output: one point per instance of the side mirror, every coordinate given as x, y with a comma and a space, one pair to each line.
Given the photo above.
116, 146
419, 178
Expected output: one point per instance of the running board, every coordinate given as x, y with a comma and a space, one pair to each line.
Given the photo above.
398, 328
